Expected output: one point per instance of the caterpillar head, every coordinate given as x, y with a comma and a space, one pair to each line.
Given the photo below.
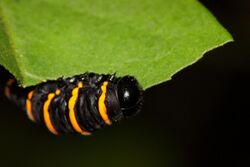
130, 95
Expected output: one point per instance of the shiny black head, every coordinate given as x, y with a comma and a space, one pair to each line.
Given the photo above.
130, 95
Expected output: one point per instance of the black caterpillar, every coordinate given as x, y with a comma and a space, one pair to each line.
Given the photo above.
80, 104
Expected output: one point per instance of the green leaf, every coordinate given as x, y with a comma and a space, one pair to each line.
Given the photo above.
150, 39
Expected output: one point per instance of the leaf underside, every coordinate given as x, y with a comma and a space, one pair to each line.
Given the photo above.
152, 40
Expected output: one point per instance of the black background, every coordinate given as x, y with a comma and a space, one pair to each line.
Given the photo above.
199, 118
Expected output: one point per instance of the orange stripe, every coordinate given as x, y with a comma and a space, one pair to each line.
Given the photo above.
29, 107
46, 114
101, 104
7, 87
72, 116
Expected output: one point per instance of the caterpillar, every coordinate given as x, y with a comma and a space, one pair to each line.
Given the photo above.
79, 104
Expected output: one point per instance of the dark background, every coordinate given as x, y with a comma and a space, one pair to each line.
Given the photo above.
199, 118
